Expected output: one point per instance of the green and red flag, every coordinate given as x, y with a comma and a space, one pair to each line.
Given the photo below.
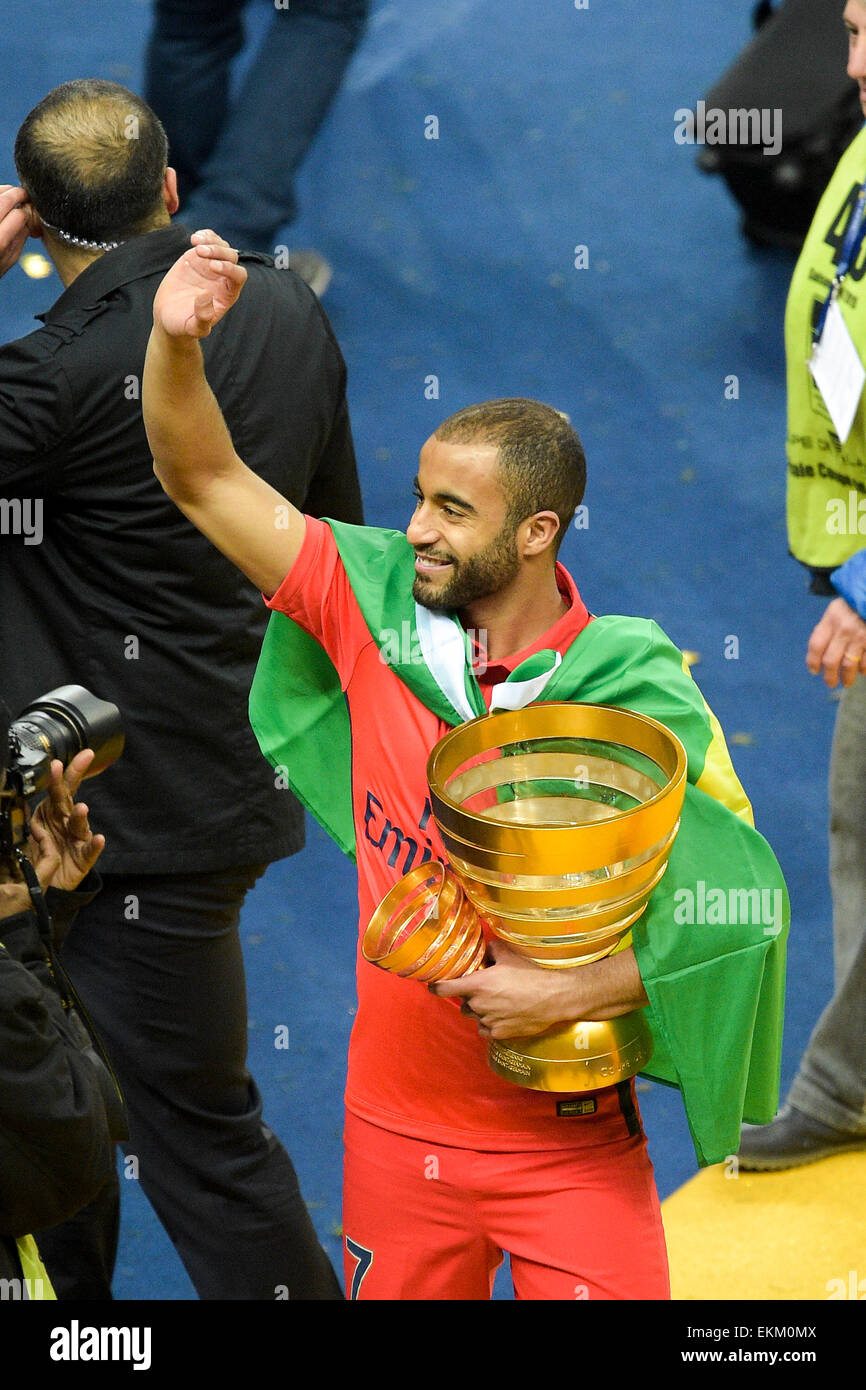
710, 946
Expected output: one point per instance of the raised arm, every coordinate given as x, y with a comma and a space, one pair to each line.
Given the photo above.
193, 455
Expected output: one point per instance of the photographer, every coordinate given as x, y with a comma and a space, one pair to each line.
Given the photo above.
55, 1150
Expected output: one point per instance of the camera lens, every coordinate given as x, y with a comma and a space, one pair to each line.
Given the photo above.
59, 725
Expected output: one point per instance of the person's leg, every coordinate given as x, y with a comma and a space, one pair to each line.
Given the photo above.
830, 1085
831, 1081
825, 1112
246, 192
409, 1223
160, 970
579, 1224
79, 1255
187, 76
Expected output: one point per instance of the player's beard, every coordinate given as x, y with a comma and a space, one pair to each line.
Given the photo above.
483, 573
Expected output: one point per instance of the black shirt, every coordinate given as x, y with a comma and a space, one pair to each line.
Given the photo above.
113, 589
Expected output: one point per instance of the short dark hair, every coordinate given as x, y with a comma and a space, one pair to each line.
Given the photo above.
91, 158
541, 458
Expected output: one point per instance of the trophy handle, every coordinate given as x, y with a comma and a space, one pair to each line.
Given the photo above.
427, 929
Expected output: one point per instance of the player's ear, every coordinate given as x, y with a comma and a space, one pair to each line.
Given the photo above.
169, 192
538, 532
34, 221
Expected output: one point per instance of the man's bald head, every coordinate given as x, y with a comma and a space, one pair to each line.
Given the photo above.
91, 158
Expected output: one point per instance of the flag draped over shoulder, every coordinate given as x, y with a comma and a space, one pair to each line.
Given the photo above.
709, 947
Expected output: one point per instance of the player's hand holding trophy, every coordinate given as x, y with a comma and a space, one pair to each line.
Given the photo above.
558, 820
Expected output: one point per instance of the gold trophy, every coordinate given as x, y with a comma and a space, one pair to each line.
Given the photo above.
558, 820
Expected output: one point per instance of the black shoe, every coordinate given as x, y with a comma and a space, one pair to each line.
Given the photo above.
791, 1140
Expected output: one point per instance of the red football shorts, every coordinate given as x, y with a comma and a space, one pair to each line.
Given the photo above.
426, 1221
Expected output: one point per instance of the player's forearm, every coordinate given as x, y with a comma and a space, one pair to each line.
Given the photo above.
188, 437
603, 989
514, 997
249, 521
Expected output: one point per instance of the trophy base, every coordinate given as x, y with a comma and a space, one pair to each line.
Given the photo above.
579, 1057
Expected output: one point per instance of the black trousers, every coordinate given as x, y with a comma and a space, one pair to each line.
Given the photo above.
157, 961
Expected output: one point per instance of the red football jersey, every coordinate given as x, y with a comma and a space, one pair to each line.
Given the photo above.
416, 1064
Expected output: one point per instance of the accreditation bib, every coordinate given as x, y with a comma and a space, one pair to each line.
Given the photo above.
838, 372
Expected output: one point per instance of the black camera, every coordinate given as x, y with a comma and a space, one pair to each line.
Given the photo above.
58, 725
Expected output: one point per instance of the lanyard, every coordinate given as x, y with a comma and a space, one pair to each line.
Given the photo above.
850, 250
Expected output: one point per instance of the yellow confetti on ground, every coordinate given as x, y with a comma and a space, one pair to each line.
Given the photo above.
743, 739
800, 1233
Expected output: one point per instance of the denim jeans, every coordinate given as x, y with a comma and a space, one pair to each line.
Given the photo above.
236, 160
831, 1082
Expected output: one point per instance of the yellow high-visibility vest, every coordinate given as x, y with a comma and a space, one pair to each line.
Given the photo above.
33, 1271
826, 479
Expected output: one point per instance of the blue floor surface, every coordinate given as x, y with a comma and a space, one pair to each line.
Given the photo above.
455, 260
